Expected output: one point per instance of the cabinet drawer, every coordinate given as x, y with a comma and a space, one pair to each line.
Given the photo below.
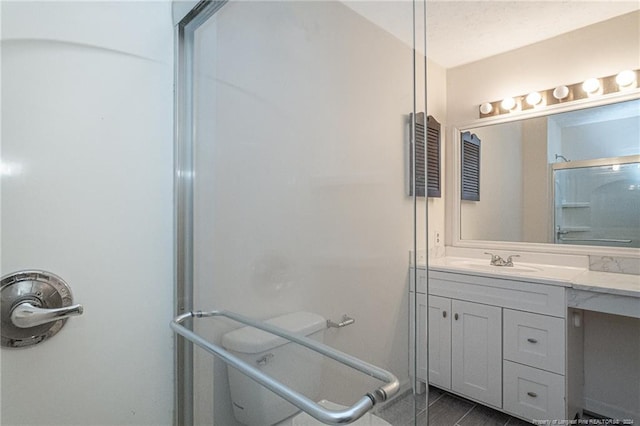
534, 340
508, 293
532, 393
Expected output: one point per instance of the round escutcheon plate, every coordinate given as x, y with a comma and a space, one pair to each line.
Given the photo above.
39, 288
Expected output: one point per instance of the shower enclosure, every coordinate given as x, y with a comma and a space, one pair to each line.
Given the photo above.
292, 162
597, 202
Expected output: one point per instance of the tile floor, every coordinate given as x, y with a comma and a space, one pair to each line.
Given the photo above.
444, 410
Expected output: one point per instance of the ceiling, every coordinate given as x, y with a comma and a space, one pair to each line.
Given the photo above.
459, 32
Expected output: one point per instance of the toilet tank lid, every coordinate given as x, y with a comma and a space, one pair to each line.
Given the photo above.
251, 340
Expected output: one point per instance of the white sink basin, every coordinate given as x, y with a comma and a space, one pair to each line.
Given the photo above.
486, 266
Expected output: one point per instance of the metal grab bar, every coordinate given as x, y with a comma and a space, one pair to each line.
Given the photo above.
327, 416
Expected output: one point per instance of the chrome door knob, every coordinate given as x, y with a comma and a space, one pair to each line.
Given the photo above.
26, 315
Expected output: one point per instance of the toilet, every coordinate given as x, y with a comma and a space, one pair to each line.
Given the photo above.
289, 363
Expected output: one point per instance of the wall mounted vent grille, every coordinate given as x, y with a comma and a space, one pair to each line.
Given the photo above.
430, 168
470, 167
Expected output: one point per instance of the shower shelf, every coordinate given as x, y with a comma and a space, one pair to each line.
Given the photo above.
325, 415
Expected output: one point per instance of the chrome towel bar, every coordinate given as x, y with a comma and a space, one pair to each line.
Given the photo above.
327, 416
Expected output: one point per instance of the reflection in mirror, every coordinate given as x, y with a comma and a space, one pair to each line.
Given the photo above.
597, 202
569, 178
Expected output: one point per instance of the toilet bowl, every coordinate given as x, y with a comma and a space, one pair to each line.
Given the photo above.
293, 365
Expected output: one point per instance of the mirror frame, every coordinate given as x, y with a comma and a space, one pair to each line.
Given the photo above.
453, 170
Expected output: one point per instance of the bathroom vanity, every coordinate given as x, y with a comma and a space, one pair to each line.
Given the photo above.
512, 338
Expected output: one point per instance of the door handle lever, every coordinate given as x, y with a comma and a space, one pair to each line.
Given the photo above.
25, 315
34, 306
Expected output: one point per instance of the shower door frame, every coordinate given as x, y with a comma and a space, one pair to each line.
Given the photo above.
184, 176
183, 200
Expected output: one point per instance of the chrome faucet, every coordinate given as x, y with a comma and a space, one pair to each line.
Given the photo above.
499, 261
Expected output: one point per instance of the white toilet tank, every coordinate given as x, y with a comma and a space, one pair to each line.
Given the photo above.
297, 367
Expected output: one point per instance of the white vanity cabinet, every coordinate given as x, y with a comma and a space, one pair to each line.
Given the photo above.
497, 341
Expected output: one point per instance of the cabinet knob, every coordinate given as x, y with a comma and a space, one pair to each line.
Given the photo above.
532, 340
444, 314
532, 394
455, 316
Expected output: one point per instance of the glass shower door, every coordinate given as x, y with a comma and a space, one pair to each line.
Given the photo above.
597, 202
293, 185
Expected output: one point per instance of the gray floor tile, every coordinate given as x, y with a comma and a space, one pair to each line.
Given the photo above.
517, 422
446, 411
434, 394
400, 412
484, 416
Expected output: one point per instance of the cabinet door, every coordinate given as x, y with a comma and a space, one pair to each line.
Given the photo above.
419, 306
476, 351
440, 341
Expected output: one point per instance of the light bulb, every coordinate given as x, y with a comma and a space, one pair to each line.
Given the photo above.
591, 85
560, 92
508, 103
486, 108
626, 78
534, 98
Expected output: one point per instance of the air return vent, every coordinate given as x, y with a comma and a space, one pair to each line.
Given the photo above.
470, 167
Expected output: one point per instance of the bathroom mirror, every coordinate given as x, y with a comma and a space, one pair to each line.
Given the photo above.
566, 178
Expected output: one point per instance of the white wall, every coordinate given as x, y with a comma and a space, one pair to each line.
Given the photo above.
87, 115
300, 198
498, 214
536, 194
612, 138
437, 107
612, 356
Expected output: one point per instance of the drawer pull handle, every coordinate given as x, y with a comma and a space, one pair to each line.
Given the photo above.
455, 316
532, 340
532, 394
444, 314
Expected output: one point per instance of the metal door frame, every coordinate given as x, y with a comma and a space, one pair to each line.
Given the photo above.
183, 199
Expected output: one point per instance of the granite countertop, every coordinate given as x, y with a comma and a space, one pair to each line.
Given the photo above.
566, 276
608, 282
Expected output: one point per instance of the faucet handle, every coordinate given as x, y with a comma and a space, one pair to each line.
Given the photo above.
509, 261
495, 259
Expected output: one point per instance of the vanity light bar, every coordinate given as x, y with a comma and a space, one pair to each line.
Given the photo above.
625, 80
